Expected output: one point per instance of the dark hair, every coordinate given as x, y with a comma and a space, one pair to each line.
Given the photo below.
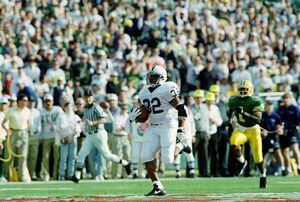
21, 96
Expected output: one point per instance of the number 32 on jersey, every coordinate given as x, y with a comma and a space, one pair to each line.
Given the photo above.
153, 105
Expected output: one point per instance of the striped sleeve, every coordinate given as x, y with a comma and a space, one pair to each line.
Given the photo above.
99, 113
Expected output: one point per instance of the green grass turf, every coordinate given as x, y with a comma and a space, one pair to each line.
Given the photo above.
182, 186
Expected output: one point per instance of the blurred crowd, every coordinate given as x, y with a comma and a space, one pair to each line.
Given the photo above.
51, 51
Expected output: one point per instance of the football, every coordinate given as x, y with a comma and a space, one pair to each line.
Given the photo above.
143, 116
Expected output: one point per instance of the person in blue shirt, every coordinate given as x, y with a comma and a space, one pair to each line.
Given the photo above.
272, 128
290, 115
26, 90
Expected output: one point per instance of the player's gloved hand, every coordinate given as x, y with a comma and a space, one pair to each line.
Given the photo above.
135, 112
239, 110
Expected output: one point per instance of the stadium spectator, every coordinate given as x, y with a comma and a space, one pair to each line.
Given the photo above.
215, 120
19, 123
272, 128
49, 136
3, 137
34, 137
201, 117
290, 116
208, 76
68, 129
121, 145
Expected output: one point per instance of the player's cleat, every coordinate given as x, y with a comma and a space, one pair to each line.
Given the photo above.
135, 176
156, 191
263, 182
128, 168
178, 175
286, 173
192, 175
241, 167
74, 179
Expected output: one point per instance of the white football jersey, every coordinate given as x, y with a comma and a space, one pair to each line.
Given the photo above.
49, 121
157, 100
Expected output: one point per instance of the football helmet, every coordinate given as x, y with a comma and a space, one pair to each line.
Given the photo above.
157, 75
246, 88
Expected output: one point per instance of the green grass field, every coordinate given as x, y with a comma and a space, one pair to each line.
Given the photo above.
230, 189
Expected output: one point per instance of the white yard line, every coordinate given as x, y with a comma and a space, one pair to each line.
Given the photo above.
35, 189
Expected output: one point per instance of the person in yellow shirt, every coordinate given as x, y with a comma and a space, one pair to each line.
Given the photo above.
19, 118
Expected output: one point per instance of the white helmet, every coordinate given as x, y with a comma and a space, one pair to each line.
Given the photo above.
157, 75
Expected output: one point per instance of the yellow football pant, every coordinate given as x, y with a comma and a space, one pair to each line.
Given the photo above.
241, 136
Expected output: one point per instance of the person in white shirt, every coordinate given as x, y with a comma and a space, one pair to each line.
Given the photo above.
241, 73
263, 82
55, 73
32, 70
121, 144
194, 68
34, 136
69, 129
3, 134
215, 120
49, 135
201, 117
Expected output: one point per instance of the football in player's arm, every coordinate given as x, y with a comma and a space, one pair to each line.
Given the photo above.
247, 109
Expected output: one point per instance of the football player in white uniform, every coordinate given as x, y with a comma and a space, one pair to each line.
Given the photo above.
167, 116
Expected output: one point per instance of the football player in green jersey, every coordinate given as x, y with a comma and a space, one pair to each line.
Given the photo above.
247, 110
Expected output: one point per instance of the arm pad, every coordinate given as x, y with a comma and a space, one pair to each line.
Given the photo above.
181, 110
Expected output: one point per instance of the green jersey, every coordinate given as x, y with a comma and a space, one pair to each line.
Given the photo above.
250, 105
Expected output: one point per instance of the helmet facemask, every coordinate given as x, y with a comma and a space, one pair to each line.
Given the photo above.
244, 92
156, 76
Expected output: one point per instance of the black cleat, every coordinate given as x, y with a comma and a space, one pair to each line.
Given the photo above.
74, 179
191, 175
135, 176
128, 168
263, 182
241, 167
286, 173
156, 191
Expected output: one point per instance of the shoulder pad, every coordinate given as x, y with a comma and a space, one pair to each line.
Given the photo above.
172, 88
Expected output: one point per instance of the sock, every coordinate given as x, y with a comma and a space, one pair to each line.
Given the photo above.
282, 168
135, 168
177, 167
191, 164
123, 162
158, 184
261, 169
78, 174
241, 159
78, 170
298, 167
